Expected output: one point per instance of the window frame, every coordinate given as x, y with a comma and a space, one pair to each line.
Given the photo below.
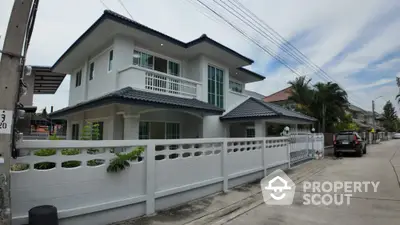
110, 60
78, 78
252, 129
232, 81
154, 55
92, 72
101, 129
173, 136
215, 81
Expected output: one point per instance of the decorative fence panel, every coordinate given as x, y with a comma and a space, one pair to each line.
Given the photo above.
72, 175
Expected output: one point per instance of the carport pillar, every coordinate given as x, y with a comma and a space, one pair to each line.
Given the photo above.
259, 128
131, 127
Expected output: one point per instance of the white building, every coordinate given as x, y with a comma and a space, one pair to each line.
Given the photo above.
138, 83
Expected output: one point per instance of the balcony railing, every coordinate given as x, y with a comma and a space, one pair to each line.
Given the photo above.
143, 78
174, 85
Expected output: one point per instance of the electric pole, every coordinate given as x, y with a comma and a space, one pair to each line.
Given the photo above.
11, 67
373, 114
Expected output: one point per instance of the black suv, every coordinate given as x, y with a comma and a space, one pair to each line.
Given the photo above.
349, 141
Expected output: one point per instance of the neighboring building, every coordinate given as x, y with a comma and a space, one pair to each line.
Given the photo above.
282, 98
138, 83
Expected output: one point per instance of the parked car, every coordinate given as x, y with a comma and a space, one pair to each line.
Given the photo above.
396, 136
349, 141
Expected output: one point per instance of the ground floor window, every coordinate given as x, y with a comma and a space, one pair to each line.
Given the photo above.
144, 130
250, 132
159, 130
75, 131
172, 131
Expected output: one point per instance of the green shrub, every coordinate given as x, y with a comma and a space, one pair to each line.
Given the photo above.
122, 160
19, 167
45, 152
95, 162
44, 165
71, 164
70, 151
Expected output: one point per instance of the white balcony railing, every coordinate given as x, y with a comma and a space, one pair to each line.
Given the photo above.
155, 81
174, 85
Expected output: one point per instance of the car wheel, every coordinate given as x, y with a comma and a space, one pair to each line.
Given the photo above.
365, 150
336, 154
360, 152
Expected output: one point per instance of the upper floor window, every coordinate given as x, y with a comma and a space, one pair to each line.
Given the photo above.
155, 63
110, 60
78, 78
91, 71
215, 86
235, 86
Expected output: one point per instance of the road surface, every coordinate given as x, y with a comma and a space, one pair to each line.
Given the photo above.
382, 163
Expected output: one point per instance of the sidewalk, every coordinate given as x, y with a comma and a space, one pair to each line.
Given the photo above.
215, 208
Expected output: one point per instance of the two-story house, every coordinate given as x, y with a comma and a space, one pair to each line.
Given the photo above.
138, 83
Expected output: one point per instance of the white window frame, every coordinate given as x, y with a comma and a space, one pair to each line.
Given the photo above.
236, 82
154, 54
223, 85
250, 128
76, 77
110, 60
165, 127
94, 70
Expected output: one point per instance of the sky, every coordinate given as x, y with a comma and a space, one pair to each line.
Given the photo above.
355, 42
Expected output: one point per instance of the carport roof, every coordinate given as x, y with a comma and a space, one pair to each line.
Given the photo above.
253, 108
129, 95
46, 81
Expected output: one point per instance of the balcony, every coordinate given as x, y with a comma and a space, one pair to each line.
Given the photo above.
142, 78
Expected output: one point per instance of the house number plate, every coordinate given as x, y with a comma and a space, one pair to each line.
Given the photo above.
5, 121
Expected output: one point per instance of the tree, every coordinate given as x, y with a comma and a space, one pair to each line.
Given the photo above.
398, 98
324, 101
302, 94
330, 102
346, 123
44, 114
389, 117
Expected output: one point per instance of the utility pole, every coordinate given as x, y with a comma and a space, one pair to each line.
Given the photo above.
373, 114
10, 72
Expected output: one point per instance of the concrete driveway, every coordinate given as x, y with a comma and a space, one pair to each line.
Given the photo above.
244, 205
382, 163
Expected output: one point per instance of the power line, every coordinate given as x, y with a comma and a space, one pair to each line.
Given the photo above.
285, 43
302, 59
123, 6
264, 48
104, 4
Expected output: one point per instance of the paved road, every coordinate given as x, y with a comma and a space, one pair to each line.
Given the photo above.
382, 163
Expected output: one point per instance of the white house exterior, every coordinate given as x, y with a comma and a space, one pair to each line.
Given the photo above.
141, 84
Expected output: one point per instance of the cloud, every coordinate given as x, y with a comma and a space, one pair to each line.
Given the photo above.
374, 84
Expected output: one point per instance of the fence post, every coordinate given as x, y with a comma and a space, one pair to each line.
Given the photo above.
263, 156
288, 150
223, 162
150, 178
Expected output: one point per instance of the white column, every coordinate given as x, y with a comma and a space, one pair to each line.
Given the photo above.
259, 127
69, 130
131, 127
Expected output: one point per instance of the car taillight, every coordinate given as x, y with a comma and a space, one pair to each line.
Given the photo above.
355, 139
334, 139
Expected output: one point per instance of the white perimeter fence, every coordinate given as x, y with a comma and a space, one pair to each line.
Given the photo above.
170, 172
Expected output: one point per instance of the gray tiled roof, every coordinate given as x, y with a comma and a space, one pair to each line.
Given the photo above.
129, 95
253, 108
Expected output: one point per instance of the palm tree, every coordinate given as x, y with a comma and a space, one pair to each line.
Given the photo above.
398, 98
325, 101
302, 94
330, 102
